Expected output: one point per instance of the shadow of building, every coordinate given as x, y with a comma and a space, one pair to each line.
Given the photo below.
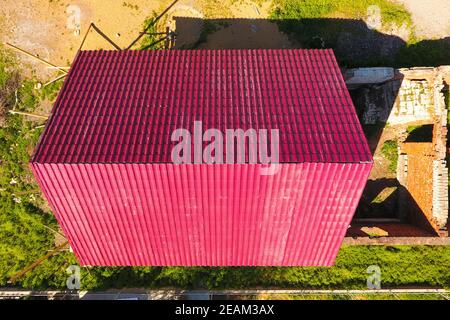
354, 44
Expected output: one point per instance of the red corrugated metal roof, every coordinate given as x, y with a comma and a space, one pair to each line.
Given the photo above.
121, 107
104, 162
200, 214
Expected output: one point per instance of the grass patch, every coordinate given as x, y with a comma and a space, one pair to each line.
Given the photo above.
23, 233
401, 266
9, 82
340, 25
426, 53
420, 133
390, 152
50, 92
294, 9
148, 40
410, 129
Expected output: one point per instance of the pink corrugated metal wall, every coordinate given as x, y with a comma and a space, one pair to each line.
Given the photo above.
218, 215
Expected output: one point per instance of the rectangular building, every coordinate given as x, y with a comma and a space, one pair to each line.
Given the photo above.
105, 161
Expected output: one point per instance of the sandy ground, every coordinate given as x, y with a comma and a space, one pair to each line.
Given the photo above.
48, 27
431, 17
239, 25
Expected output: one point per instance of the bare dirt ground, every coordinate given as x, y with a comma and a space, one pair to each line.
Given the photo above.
380, 163
237, 25
47, 27
380, 196
431, 17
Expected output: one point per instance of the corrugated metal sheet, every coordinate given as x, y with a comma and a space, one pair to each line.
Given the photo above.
121, 107
164, 214
103, 161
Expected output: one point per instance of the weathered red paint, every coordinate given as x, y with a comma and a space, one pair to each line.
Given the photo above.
104, 165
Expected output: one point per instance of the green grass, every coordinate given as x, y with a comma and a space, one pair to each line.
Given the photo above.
23, 235
339, 25
410, 129
9, 81
390, 152
50, 92
401, 266
425, 53
295, 9
148, 40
